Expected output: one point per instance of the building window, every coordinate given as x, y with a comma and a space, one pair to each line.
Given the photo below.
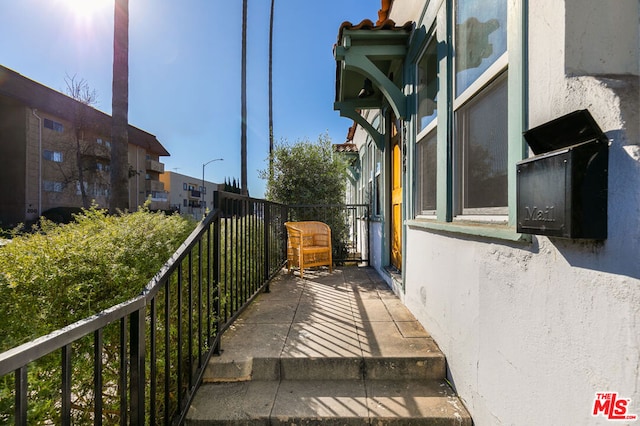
99, 141
480, 138
482, 148
86, 188
52, 186
480, 39
107, 144
428, 85
54, 156
53, 125
184, 186
184, 203
426, 148
427, 164
103, 167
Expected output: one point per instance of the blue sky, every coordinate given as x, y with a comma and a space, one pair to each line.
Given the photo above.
184, 69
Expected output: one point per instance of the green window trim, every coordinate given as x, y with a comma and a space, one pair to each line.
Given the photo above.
485, 230
517, 105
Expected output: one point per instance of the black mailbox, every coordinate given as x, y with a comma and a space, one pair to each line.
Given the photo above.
562, 190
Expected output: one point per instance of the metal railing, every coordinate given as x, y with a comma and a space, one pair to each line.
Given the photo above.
349, 225
149, 353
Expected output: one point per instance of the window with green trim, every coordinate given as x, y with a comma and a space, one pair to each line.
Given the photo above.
482, 151
480, 39
428, 85
480, 140
426, 147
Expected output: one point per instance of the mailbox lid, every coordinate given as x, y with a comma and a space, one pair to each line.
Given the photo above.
574, 128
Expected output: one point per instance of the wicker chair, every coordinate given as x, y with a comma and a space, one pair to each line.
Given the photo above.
309, 244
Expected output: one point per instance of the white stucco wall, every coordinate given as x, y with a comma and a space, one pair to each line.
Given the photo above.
532, 331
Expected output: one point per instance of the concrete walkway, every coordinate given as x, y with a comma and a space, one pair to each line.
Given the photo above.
334, 348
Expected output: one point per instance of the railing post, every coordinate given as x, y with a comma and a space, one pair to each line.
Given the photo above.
216, 277
267, 244
21, 396
66, 385
137, 362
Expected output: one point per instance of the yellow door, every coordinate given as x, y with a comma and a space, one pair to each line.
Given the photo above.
396, 197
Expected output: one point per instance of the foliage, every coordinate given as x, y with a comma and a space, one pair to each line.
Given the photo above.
311, 173
306, 173
63, 273
232, 187
96, 247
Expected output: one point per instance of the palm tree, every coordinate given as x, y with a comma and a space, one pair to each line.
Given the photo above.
119, 195
271, 89
243, 129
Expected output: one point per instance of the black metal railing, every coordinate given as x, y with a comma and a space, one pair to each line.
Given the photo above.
149, 353
349, 225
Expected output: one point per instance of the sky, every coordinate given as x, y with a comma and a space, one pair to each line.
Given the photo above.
185, 70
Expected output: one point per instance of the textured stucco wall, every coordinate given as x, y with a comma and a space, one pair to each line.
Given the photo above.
532, 331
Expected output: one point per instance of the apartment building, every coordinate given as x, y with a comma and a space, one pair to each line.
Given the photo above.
188, 195
57, 153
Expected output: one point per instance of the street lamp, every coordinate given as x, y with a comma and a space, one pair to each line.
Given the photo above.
202, 191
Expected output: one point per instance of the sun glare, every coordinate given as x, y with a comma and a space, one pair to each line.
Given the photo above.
87, 9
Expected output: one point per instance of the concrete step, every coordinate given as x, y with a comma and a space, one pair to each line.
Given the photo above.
334, 402
224, 369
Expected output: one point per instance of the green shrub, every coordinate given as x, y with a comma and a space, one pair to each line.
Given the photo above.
63, 273
60, 274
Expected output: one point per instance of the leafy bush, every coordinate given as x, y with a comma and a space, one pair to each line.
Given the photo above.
63, 273
311, 173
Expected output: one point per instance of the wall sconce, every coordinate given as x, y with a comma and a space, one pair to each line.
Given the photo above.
367, 89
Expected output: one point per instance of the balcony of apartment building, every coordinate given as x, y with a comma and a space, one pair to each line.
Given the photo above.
96, 147
154, 166
151, 185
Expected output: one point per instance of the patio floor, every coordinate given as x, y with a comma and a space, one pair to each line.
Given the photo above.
333, 347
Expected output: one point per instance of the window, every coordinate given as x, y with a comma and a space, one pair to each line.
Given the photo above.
428, 85
52, 186
480, 39
184, 186
427, 164
103, 167
101, 190
78, 188
54, 156
377, 185
482, 147
99, 141
427, 149
480, 108
107, 144
53, 125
